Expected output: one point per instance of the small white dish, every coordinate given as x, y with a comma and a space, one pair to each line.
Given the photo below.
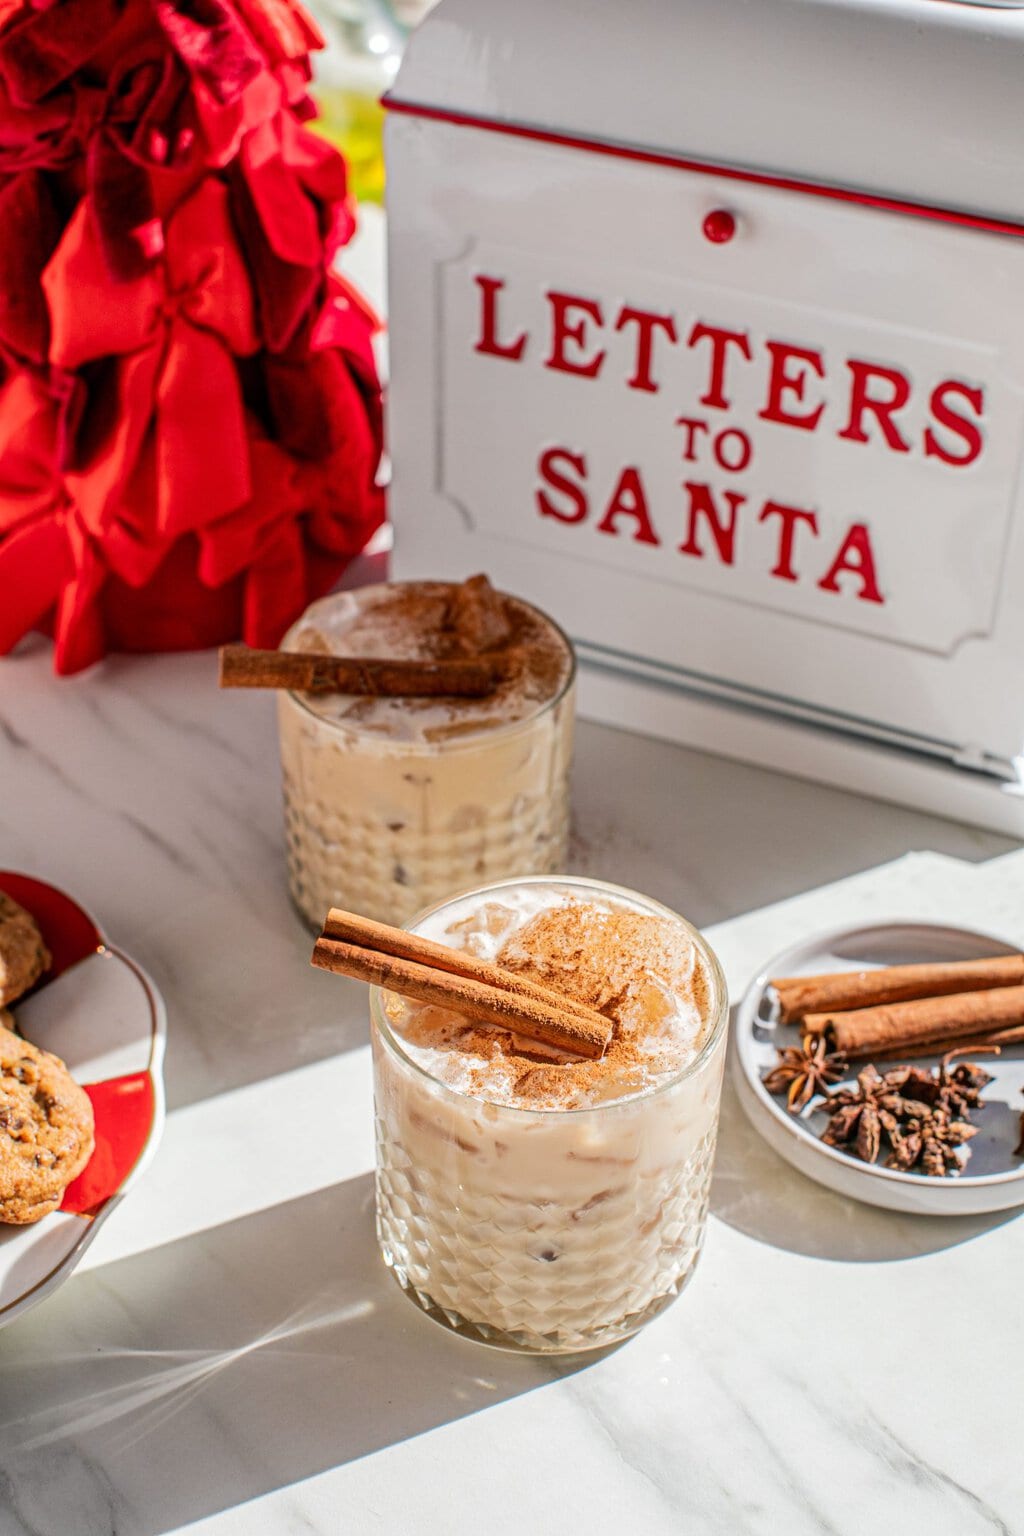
993, 1178
99, 1011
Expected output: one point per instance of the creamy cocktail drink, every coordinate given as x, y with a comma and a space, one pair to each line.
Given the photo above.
528, 1198
392, 803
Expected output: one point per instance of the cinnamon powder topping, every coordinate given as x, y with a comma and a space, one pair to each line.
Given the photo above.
642, 972
438, 621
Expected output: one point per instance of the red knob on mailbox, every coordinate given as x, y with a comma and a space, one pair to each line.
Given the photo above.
719, 226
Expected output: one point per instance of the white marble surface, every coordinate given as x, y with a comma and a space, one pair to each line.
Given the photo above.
233, 1358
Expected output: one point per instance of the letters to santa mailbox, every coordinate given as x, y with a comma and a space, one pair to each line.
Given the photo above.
707, 333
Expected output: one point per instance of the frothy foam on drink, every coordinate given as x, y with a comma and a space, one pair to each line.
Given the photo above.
639, 969
418, 621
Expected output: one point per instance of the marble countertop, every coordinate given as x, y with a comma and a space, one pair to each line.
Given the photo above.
232, 1357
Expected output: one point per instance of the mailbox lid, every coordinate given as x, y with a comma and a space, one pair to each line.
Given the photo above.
912, 99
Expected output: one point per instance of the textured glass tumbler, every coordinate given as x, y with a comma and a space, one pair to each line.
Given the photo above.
549, 1231
385, 826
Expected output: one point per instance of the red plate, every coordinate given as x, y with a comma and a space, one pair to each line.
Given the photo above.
99, 1011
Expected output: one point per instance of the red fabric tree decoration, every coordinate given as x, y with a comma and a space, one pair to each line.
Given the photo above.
189, 408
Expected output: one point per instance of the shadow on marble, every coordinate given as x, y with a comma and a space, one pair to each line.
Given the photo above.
284, 1336
243, 1002
759, 1193
715, 838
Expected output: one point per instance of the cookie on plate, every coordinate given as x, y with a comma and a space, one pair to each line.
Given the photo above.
23, 955
46, 1129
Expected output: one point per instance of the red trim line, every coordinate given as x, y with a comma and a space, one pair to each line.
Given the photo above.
702, 167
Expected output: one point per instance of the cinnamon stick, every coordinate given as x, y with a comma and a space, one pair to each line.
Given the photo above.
490, 1005
353, 928
842, 990
992, 1042
965, 1016
378, 677
477, 614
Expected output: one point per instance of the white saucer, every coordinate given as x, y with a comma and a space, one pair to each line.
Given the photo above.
993, 1179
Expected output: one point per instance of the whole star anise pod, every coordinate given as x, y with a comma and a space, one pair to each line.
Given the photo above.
960, 1086
857, 1116
870, 1084
804, 1070
906, 1149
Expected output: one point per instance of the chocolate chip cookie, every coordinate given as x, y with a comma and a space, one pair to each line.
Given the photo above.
23, 955
46, 1129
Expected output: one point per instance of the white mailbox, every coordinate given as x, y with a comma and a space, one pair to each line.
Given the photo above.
707, 333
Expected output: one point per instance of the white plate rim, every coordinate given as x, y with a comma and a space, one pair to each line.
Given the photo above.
49, 1282
790, 1132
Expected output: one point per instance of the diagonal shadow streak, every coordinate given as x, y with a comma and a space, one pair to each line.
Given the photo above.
286, 1368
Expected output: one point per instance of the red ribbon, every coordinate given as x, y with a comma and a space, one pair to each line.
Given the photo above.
212, 43
29, 231
177, 329
189, 411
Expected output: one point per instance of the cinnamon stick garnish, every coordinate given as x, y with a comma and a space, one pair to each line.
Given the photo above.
963, 1016
489, 1005
373, 676
977, 1043
353, 928
842, 990
478, 615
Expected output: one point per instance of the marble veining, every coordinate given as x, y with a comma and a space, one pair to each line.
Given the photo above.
233, 1359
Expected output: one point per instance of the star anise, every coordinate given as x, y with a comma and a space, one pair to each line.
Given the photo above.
870, 1084
804, 1070
922, 1115
961, 1085
857, 1116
